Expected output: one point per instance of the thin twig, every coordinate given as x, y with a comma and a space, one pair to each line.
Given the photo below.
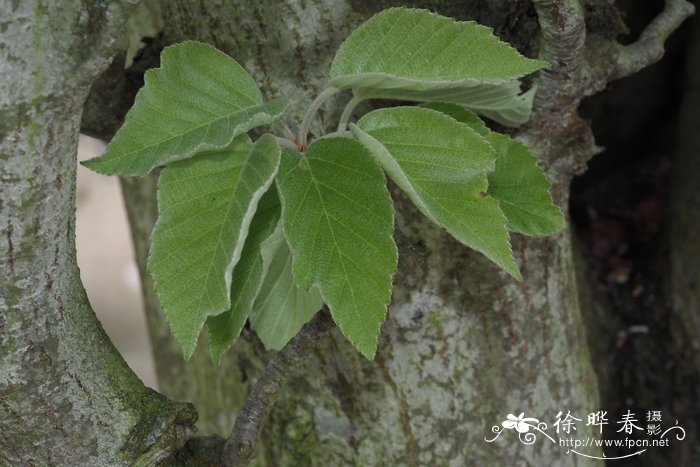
582, 66
241, 446
649, 48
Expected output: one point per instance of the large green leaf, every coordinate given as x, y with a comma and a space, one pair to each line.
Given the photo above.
206, 205
247, 277
198, 100
281, 307
418, 50
518, 183
411, 54
441, 165
339, 220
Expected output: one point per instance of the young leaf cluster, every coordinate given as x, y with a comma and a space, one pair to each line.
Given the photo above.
270, 231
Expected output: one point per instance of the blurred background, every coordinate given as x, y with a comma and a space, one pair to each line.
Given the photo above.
107, 266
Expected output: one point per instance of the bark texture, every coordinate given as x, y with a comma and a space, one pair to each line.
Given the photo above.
66, 395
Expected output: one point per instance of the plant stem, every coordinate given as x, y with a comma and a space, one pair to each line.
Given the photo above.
285, 143
241, 446
311, 112
347, 113
288, 133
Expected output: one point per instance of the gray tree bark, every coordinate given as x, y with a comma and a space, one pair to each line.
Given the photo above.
66, 395
463, 345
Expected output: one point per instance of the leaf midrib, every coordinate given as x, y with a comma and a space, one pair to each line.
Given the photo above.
335, 241
206, 125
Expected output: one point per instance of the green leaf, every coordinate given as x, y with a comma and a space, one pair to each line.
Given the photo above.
247, 277
198, 100
205, 208
416, 55
281, 307
417, 50
518, 183
460, 114
441, 165
522, 189
503, 103
339, 220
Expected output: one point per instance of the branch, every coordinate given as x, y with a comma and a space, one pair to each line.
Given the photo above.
555, 131
563, 32
241, 446
649, 48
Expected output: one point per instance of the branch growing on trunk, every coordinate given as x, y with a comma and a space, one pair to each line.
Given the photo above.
649, 48
564, 36
581, 66
242, 444
608, 60
555, 121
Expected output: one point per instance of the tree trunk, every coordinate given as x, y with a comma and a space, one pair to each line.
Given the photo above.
66, 395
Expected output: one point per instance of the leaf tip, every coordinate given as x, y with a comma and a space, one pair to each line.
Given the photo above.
516, 274
96, 164
369, 354
188, 346
541, 64
216, 355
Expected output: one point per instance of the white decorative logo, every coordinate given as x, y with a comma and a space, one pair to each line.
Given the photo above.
528, 429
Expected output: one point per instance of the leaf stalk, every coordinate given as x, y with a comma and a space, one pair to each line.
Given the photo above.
311, 112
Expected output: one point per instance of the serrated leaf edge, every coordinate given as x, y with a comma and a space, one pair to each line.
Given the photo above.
402, 181
319, 286
537, 64
257, 118
188, 349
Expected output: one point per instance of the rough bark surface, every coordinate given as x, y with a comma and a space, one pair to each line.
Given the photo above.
66, 395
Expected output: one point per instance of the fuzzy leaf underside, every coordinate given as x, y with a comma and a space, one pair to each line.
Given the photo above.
205, 207
503, 103
281, 307
441, 164
247, 278
198, 100
338, 219
412, 54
